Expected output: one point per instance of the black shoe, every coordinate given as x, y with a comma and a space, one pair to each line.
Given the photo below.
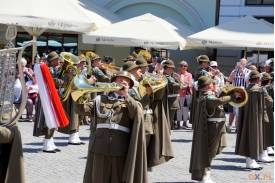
57, 150
78, 143
53, 151
259, 168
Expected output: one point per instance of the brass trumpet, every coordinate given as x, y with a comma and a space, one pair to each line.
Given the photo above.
155, 81
81, 86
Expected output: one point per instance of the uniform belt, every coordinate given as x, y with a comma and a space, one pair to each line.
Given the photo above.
113, 126
148, 111
216, 119
173, 95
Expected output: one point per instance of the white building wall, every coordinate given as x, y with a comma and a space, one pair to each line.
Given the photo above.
232, 10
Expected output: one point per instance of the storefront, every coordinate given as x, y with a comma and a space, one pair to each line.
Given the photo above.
51, 42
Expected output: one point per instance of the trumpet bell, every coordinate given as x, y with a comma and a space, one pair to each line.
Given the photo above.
156, 82
81, 86
243, 95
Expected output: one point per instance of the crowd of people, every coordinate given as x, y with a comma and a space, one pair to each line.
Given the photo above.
131, 126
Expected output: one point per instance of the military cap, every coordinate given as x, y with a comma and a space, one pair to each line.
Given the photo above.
168, 63
128, 58
129, 65
141, 62
203, 58
265, 76
123, 74
254, 74
52, 56
203, 81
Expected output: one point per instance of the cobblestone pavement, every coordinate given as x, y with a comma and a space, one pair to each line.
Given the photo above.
68, 165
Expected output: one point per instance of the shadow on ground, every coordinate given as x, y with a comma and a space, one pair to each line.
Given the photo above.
181, 140
228, 167
32, 150
235, 160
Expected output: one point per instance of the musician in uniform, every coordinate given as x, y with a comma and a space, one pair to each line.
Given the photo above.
203, 70
97, 69
251, 119
268, 127
209, 131
172, 88
40, 127
11, 155
142, 63
117, 149
70, 106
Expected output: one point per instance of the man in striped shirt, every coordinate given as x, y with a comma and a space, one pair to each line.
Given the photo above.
238, 78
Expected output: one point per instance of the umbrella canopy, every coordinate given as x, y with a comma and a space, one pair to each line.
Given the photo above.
146, 31
65, 15
246, 32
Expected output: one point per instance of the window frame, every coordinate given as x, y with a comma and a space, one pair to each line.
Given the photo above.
258, 4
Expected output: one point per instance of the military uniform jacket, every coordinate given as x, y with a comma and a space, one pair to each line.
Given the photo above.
11, 156
128, 114
201, 72
147, 110
173, 93
208, 106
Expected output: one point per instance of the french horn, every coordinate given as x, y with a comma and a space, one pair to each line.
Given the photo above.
239, 102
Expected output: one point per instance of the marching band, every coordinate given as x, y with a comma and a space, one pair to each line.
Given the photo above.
132, 112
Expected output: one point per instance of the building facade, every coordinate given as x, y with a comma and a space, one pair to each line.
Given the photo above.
196, 14
233, 9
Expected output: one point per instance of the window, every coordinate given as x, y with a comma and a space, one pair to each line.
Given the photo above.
259, 2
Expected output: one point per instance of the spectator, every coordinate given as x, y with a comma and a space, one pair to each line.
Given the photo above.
32, 89
238, 78
185, 95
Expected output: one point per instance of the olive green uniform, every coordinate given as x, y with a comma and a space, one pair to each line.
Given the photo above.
209, 132
117, 149
11, 155
172, 90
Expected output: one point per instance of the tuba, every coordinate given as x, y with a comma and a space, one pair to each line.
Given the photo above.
69, 61
228, 90
10, 61
155, 81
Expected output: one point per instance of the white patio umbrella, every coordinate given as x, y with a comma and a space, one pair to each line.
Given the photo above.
246, 32
147, 31
35, 16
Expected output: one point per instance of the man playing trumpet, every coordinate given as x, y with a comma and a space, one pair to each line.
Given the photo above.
209, 128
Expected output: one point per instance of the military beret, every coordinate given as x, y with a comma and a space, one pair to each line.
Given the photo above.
52, 56
168, 63
254, 74
203, 58
203, 81
129, 65
265, 76
123, 74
